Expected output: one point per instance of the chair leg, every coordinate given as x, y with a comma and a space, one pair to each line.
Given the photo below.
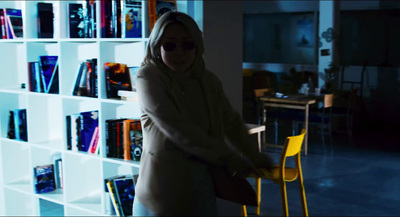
302, 195
258, 191
285, 209
244, 211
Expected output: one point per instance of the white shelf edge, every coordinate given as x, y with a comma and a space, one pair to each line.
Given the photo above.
51, 196
22, 186
13, 141
91, 203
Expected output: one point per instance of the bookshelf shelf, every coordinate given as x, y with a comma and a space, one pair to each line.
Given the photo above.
83, 174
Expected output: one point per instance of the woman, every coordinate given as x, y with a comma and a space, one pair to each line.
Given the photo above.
185, 119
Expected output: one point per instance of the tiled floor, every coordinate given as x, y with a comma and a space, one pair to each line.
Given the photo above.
350, 178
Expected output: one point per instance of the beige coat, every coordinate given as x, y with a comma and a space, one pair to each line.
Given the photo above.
171, 140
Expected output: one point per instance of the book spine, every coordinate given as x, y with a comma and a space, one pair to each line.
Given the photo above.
11, 125
69, 132
23, 130
94, 141
111, 190
127, 140
3, 24
119, 148
75, 91
16, 124
152, 13
39, 83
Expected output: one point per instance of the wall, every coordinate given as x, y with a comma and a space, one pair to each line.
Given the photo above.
223, 30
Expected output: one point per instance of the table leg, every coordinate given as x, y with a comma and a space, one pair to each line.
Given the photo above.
264, 120
306, 127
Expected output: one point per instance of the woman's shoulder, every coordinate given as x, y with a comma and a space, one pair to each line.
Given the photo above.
148, 70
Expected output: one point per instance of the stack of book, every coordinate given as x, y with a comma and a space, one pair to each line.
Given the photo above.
43, 75
118, 77
82, 19
86, 79
11, 24
121, 191
121, 18
17, 125
124, 139
83, 132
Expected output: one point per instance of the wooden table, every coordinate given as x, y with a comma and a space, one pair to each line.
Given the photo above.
297, 101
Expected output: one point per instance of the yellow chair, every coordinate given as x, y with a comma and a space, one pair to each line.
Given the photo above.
281, 174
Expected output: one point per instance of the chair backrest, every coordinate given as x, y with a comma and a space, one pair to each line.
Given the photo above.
328, 100
293, 144
262, 91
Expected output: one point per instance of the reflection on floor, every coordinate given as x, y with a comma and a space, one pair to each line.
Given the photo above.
348, 178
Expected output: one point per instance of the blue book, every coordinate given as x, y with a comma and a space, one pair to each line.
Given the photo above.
90, 121
44, 178
16, 124
49, 72
132, 19
125, 194
14, 23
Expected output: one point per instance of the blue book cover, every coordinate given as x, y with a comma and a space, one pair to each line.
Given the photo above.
132, 14
23, 132
125, 193
90, 122
49, 71
14, 20
44, 178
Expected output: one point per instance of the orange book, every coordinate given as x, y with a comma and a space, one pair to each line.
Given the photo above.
129, 125
158, 8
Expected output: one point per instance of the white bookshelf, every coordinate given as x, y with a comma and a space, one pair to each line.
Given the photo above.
83, 173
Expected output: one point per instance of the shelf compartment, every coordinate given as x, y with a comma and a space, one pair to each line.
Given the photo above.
84, 178
44, 118
73, 53
10, 101
18, 204
13, 61
18, 172
48, 208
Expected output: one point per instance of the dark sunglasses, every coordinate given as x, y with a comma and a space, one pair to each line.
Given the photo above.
186, 45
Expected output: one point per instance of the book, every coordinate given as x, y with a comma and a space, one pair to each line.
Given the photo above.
130, 148
14, 23
57, 162
3, 24
117, 78
137, 145
89, 124
45, 20
44, 178
158, 8
112, 193
109, 206
133, 70
125, 194
93, 147
76, 20
49, 73
11, 125
76, 91
20, 123
131, 19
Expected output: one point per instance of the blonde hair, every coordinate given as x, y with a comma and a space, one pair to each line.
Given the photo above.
154, 44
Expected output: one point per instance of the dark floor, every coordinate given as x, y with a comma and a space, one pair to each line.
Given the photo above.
358, 177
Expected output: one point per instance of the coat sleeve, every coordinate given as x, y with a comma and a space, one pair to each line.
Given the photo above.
157, 101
